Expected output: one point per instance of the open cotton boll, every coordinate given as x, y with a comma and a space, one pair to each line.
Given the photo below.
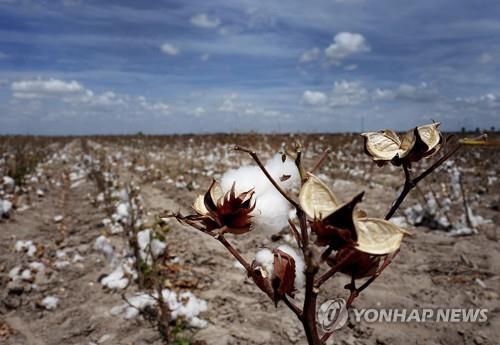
277, 168
251, 176
149, 245
116, 280
184, 305
50, 302
271, 208
104, 246
271, 211
28, 246
299, 265
189, 307
265, 258
137, 303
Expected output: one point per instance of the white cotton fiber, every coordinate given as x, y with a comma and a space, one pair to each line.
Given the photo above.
299, 265
104, 246
5, 207
272, 209
185, 305
27, 246
265, 258
116, 280
50, 302
149, 245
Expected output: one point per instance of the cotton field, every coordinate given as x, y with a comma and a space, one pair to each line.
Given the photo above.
91, 254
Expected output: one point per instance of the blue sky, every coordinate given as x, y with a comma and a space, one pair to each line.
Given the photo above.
84, 67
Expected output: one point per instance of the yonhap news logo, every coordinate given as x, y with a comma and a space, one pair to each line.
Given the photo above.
333, 315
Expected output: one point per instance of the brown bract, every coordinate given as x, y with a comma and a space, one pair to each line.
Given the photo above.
216, 210
387, 146
358, 265
279, 282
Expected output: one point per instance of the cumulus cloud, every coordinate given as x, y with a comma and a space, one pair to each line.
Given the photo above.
485, 58
348, 93
490, 100
420, 93
346, 44
314, 97
204, 21
353, 93
169, 49
39, 88
75, 95
310, 55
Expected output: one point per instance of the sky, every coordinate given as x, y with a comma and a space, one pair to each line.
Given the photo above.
160, 67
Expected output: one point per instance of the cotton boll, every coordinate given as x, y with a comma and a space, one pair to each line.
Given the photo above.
299, 265
189, 307
245, 178
157, 247
138, 302
265, 258
28, 246
103, 245
196, 322
122, 211
277, 168
50, 302
149, 245
116, 280
14, 273
271, 211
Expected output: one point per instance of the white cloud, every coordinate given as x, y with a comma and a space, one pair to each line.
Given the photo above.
169, 49
351, 67
485, 58
228, 103
199, 111
383, 94
232, 103
205, 57
489, 100
314, 97
39, 88
347, 93
74, 94
310, 55
420, 93
203, 21
346, 44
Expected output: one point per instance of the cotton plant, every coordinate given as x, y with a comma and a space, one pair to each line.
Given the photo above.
333, 235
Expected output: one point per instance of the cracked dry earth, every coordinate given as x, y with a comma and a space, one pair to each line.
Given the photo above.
433, 270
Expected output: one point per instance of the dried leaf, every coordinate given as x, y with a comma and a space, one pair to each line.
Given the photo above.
377, 236
316, 199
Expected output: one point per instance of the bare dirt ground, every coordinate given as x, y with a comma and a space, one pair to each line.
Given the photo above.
433, 269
